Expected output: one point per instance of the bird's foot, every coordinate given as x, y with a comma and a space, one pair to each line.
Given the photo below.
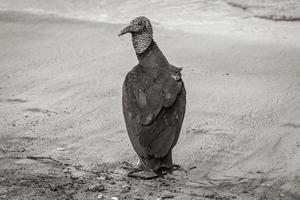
169, 169
143, 174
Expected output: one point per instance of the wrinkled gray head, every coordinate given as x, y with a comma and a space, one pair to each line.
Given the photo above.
141, 31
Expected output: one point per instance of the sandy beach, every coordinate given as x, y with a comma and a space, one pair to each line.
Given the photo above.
60, 96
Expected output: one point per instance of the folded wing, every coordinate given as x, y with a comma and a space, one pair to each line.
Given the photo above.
154, 106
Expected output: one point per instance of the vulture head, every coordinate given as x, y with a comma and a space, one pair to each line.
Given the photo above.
141, 31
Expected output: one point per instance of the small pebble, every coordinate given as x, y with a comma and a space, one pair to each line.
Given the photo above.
126, 188
98, 187
137, 198
100, 196
101, 178
114, 198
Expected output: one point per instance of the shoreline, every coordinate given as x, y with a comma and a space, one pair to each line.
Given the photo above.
260, 29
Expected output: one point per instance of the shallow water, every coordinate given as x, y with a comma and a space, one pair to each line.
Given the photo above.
166, 12
205, 16
116, 11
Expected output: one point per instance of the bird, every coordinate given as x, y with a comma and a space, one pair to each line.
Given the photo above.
153, 100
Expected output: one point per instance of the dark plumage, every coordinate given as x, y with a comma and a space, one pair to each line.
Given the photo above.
154, 100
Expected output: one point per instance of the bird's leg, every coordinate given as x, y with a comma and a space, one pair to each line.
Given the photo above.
160, 172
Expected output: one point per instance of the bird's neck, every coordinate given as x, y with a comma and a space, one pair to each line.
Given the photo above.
141, 41
152, 56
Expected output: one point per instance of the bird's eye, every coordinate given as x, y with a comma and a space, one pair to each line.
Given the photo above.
140, 23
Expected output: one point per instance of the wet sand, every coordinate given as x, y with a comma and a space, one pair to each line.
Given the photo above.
60, 96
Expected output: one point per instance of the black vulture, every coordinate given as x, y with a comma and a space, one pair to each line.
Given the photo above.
154, 100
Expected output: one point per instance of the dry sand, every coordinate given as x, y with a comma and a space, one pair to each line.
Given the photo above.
60, 96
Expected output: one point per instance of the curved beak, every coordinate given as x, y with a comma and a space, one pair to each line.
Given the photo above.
127, 29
